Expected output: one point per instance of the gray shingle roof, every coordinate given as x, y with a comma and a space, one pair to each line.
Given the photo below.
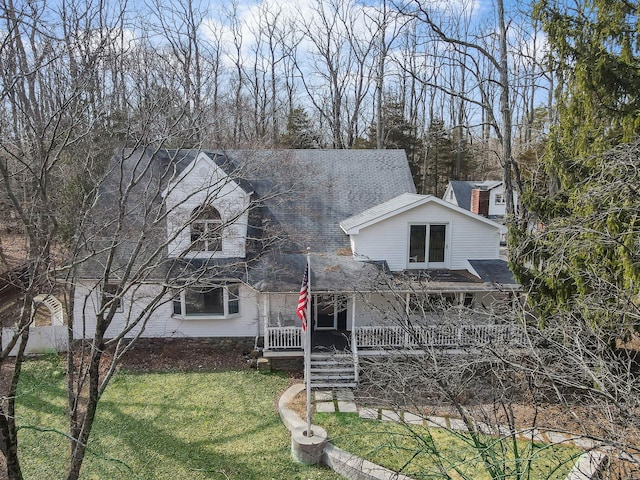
328, 186
300, 196
329, 273
493, 271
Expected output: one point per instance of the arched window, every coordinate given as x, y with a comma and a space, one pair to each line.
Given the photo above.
206, 229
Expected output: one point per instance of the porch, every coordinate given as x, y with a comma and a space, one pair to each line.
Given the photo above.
378, 338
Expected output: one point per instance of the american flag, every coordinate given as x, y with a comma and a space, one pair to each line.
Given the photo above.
303, 299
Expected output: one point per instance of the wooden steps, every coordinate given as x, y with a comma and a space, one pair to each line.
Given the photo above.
332, 370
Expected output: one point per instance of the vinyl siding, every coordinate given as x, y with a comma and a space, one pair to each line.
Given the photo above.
205, 183
467, 238
162, 323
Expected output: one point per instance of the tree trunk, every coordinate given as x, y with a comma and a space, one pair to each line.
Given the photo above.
505, 109
81, 430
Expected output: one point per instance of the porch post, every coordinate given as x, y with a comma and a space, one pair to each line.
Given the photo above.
266, 316
407, 323
354, 339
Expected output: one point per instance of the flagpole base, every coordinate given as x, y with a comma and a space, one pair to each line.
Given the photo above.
306, 448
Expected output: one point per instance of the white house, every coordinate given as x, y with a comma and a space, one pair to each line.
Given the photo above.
231, 240
486, 198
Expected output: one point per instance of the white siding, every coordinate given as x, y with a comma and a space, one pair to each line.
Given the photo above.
450, 196
205, 183
499, 210
162, 322
379, 309
467, 237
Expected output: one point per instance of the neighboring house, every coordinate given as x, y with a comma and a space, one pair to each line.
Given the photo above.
237, 229
483, 198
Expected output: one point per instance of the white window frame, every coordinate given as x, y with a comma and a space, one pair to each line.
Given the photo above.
499, 199
426, 263
111, 296
230, 301
337, 300
211, 244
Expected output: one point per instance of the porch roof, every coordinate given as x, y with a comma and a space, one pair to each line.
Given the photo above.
341, 273
329, 272
496, 271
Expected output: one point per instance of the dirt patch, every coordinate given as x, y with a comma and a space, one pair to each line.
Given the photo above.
187, 355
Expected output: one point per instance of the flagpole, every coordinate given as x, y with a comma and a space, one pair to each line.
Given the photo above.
307, 345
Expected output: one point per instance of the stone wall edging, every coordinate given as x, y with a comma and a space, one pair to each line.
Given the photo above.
588, 466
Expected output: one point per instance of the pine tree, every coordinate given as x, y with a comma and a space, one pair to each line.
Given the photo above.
300, 133
399, 133
586, 246
439, 160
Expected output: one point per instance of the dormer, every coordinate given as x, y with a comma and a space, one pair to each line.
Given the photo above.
207, 212
414, 231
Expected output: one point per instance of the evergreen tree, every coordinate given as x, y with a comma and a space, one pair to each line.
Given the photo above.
399, 133
300, 133
439, 160
586, 246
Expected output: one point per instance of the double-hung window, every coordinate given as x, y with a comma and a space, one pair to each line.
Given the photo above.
110, 296
206, 229
427, 246
206, 301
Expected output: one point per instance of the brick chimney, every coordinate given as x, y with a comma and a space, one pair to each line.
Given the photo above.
480, 201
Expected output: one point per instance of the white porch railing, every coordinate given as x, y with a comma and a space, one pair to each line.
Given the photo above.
388, 337
283, 338
449, 336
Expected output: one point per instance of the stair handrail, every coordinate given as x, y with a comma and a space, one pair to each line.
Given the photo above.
354, 352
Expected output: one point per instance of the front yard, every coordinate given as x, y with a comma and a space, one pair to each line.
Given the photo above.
421, 452
209, 425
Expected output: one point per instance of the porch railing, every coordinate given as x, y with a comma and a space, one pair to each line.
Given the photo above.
388, 337
445, 336
283, 338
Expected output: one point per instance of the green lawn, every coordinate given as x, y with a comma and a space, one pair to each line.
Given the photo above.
437, 453
220, 425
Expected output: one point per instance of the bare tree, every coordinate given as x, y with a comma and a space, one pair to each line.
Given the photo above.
81, 207
54, 112
129, 241
331, 62
471, 51
506, 388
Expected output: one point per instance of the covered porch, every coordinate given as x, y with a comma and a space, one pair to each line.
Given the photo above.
361, 307
376, 323
384, 338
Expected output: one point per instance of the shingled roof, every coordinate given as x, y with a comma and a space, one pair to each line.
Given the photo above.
326, 187
301, 195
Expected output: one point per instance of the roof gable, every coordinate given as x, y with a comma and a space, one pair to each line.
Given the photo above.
203, 173
401, 204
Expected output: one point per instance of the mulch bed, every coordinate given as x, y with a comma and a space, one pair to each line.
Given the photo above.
185, 356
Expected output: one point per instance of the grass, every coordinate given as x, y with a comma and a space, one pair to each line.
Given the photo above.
220, 425
433, 453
